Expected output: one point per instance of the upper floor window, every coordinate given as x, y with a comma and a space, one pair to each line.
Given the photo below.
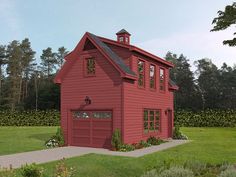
90, 66
162, 79
126, 39
152, 74
140, 73
121, 39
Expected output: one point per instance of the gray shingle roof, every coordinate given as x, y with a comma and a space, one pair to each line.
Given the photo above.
112, 55
122, 31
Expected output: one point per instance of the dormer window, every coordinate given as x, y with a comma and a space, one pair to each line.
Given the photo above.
162, 79
126, 40
152, 75
121, 39
90, 67
141, 76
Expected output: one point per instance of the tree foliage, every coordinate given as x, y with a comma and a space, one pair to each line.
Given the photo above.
224, 20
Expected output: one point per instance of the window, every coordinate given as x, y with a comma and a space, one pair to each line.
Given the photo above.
92, 114
152, 75
121, 39
162, 79
141, 73
151, 120
90, 66
126, 39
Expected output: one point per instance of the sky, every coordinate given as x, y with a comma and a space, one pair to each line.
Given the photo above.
157, 26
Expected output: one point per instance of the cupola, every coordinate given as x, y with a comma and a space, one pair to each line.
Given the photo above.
123, 36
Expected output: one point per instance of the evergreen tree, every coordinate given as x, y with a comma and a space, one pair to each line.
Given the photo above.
60, 55
49, 61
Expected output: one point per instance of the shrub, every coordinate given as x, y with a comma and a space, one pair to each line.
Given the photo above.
7, 172
177, 134
29, 118
154, 141
31, 170
62, 170
144, 144
151, 173
230, 172
176, 172
126, 147
171, 172
197, 167
206, 118
116, 139
56, 140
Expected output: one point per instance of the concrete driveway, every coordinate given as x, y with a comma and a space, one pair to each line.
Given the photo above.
48, 155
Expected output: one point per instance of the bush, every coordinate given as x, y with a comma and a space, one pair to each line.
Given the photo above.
62, 170
197, 167
154, 141
116, 139
56, 140
5, 172
30, 118
171, 172
229, 172
126, 148
176, 172
31, 170
206, 118
144, 144
177, 134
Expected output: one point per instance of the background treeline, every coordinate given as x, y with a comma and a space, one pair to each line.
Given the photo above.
26, 83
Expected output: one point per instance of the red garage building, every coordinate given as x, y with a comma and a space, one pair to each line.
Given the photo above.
107, 84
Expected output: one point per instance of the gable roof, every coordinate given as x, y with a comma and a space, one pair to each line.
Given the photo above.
112, 55
114, 59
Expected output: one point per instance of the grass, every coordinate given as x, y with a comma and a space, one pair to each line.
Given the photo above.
209, 145
22, 139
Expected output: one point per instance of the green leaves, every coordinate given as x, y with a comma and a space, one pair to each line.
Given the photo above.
207, 118
30, 118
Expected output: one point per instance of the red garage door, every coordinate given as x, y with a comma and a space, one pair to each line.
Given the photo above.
92, 128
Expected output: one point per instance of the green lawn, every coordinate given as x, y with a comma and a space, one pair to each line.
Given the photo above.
22, 139
210, 145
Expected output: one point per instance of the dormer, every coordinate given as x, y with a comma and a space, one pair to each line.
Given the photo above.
123, 36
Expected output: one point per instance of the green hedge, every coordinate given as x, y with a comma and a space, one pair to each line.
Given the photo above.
30, 118
206, 118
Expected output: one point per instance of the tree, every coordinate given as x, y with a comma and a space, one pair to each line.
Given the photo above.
187, 97
208, 82
3, 61
60, 55
14, 72
48, 61
224, 20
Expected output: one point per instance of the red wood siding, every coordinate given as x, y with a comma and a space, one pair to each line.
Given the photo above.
137, 99
104, 90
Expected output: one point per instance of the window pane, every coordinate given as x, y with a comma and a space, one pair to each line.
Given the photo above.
156, 125
151, 126
90, 66
81, 115
157, 115
151, 115
145, 125
140, 80
145, 116
140, 66
102, 115
162, 79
